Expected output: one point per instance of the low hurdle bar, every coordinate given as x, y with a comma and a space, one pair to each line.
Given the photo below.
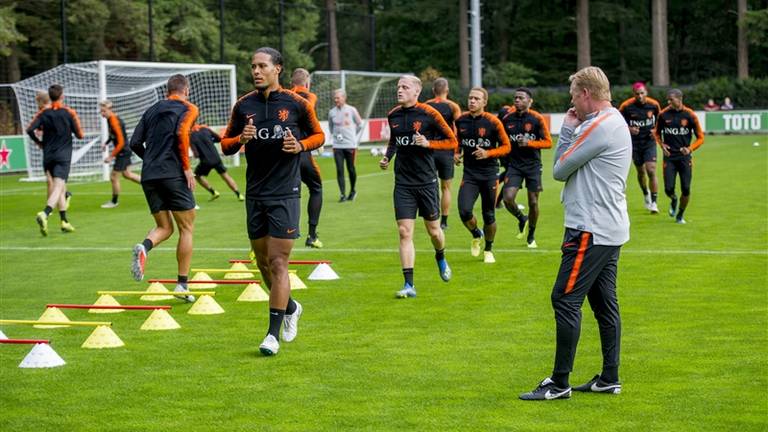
222, 282
292, 262
142, 293
62, 323
77, 306
24, 341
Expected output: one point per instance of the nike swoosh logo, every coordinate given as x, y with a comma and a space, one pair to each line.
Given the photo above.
395, 125
248, 116
273, 313
569, 244
596, 388
549, 395
291, 231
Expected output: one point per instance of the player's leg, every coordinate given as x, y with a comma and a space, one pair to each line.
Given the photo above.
222, 170
338, 159
445, 202
649, 162
685, 168
161, 232
488, 205
468, 193
406, 208
130, 175
185, 222
62, 205
114, 179
201, 173
512, 184
500, 191
534, 187
428, 201
310, 175
642, 178
670, 172
445, 170
350, 157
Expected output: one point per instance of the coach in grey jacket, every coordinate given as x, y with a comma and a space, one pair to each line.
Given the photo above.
345, 124
593, 156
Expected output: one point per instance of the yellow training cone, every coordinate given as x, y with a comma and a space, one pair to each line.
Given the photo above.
253, 293
106, 300
156, 287
239, 267
202, 276
296, 282
205, 305
160, 319
52, 314
103, 337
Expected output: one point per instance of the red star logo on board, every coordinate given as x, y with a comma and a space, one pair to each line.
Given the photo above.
5, 154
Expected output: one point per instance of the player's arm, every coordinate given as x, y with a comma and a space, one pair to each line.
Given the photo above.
358, 120
232, 139
310, 127
587, 145
214, 135
502, 138
448, 140
698, 132
117, 131
37, 122
330, 121
75, 123
184, 132
139, 136
546, 139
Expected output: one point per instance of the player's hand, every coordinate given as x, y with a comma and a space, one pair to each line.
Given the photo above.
108, 159
291, 144
457, 158
685, 151
420, 140
634, 130
190, 179
665, 149
523, 142
571, 118
248, 132
384, 163
480, 154
103, 147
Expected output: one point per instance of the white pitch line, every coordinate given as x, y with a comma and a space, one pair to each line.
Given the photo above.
374, 250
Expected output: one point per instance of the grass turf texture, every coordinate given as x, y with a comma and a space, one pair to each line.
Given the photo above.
693, 301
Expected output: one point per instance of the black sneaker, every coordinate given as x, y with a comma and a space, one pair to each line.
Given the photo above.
342, 198
597, 385
352, 196
673, 207
546, 390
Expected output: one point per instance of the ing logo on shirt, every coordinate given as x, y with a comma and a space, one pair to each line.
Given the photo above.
481, 131
282, 115
417, 126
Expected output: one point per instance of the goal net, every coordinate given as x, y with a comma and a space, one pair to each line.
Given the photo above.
132, 87
372, 93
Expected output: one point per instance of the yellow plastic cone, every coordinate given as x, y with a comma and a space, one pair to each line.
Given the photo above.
296, 282
156, 287
202, 276
205, 305
103, 337
160, 319
52, 314
253, 293
239, 267
106, 300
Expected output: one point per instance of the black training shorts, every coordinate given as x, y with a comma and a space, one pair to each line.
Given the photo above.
643, 153
168, 194
409, 200
57, 168
530, 173
274, 218
122, 161
203, 169
444, 163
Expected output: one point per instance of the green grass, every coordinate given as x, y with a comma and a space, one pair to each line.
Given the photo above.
693, 298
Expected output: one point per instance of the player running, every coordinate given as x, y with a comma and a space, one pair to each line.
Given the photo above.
310, 170
450, 111
677, 123
166, 177
269, 122
640, 113
482, 140
202, 142
416, 130
121, 154
58, 123
528, 133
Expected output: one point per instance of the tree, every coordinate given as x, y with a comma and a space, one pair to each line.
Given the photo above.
660, 48
333, 38
742, 50
10, 37
582, 34
463, 44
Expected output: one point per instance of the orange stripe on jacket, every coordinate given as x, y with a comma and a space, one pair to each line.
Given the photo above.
577, 263
78, 130
119, 138
505, 146
185, 129
696, 130
447, 143
546, 141
583, 136
316, 138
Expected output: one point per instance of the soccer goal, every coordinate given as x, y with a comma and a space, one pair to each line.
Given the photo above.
132, 87
372, 93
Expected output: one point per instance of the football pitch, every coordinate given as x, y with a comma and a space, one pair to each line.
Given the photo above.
694, 303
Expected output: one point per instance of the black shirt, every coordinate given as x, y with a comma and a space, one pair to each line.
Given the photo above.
483, 131
202, 141
58, 123
676, 128
531, 125
642, 116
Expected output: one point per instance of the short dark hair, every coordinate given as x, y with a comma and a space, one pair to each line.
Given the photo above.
275, 56
55, 91
525, 90
440, 86
177, 83
675, 92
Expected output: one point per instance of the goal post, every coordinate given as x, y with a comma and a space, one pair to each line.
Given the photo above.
132, 87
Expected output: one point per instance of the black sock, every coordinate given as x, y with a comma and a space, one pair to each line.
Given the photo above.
610, 375
182, 280
440, 254
644, 189
654, 196
63, 215
408, 275
147, 245
212, 191
237, 193
291, 307
275, 321
48, 210
531, 231
476, 233
443, 220
114, 198
680, 213
515, 210
313, 231
67, 194
561, 380
488, 245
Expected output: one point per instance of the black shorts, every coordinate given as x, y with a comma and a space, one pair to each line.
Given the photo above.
274, 218
203, 169
444, 163
425, 200
531, 174
57, 169
168, 194
644, 153
469, 190
683, 167
122, 162
310, 172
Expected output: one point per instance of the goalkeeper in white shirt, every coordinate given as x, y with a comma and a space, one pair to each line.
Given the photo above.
345, 125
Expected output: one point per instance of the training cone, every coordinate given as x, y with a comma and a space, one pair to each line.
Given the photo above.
52, 314
160, 319
156, 287
323, 272
242, 272
103, 337
205, 305
42, 356
106, 300
296, 282
2, 335
202, 276
253, 293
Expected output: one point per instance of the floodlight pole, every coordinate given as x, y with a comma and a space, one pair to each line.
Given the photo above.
474, 13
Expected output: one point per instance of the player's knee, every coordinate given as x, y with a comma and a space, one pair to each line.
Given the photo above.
685, 191
465, 214
669, 191
404, 232
489, 218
